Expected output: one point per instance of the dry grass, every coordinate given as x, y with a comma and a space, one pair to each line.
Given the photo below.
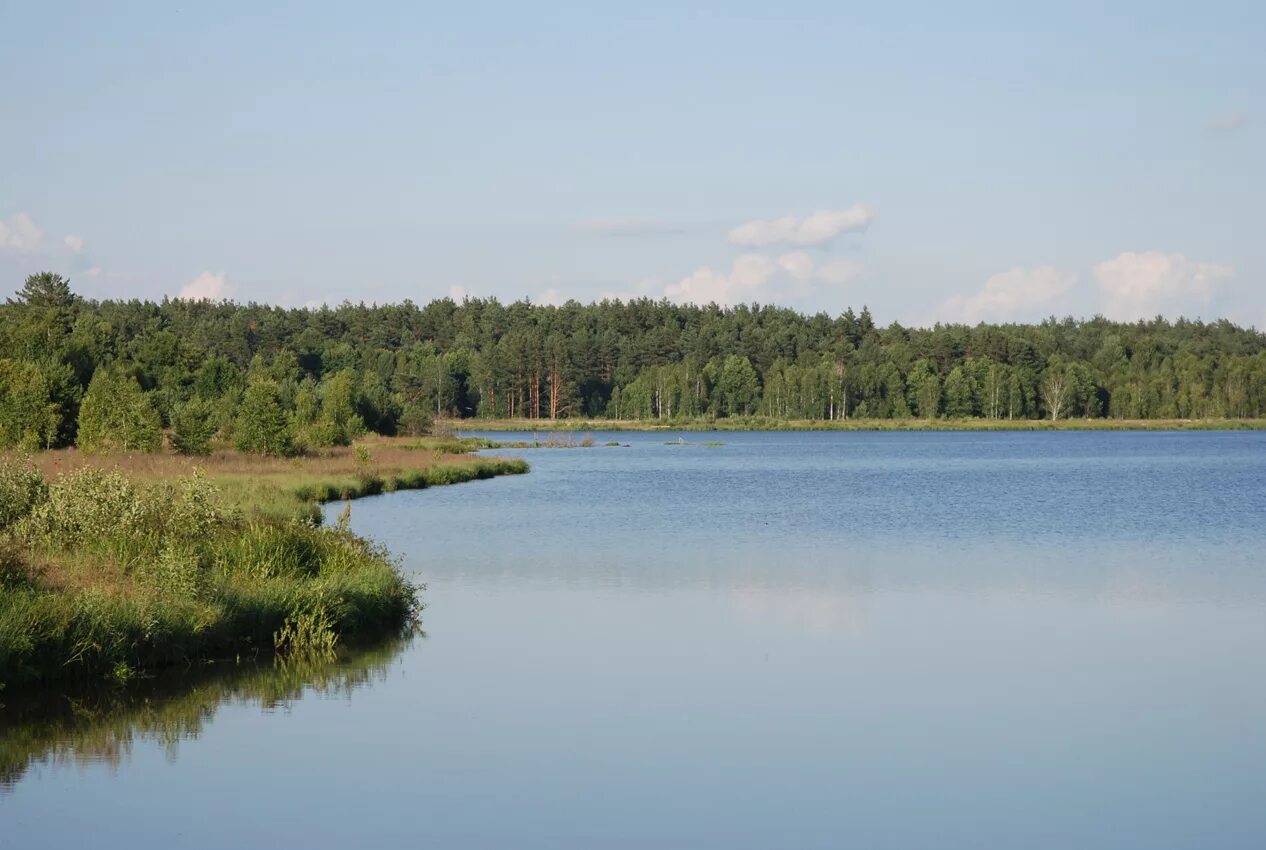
389, 454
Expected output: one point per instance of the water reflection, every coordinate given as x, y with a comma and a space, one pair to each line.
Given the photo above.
102, 725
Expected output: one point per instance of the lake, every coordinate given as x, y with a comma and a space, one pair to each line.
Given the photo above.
789, 640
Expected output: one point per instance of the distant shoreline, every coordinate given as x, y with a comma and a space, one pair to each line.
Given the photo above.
763, 424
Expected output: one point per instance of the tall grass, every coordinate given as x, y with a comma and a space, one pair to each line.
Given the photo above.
107, 573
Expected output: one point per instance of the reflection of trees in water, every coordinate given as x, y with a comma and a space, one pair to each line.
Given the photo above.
101, 725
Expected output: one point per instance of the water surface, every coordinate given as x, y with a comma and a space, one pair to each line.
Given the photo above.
809, 640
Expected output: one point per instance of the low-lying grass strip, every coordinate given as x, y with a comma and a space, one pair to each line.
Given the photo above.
765, 423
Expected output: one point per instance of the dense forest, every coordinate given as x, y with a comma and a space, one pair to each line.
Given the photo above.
121, 374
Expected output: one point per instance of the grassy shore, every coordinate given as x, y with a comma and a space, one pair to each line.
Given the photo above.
289, 488
118, 565
757, 423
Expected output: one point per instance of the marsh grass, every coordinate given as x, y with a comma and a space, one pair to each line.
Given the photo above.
119, 565
551, 440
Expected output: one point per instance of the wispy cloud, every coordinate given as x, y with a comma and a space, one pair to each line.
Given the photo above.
74, 243
816, 229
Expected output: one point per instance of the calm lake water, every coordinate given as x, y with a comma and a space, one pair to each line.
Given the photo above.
792, 640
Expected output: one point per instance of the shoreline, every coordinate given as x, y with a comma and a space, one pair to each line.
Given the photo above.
469, 426
123, 565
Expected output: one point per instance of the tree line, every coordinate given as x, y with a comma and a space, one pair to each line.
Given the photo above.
115, 374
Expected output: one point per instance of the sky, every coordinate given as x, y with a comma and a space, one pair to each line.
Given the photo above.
936, 162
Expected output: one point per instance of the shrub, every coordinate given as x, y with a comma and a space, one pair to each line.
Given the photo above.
85, 505
22, 487
416, 421
187, 508
176, 573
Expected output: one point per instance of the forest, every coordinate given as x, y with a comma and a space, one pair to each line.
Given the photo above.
130, 375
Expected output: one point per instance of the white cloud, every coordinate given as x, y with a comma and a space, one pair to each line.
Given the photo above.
1227, 122
459, 293
207, 286
758, 277
92, 271
1019, 294
74, 243
1141, 285
19, 234
749, 274
816, 229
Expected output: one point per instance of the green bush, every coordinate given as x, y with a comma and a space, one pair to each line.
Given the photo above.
22, 488
86, 505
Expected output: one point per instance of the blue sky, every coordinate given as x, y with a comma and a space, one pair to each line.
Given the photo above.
987, 161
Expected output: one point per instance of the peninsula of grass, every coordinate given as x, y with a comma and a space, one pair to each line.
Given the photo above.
763, 423
117, 565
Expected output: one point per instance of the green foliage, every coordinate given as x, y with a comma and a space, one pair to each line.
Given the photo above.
415, 421
193, 426
22, 488
738, 387
196, 581
87, 505
45, 290
333, 374
29, 417
262, 425
116, 415
340, 423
